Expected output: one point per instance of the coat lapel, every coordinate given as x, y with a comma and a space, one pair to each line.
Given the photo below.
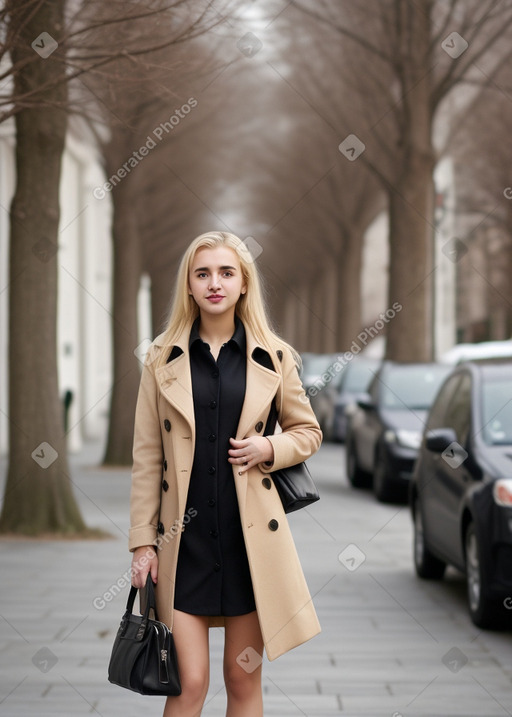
176, 385
261, 386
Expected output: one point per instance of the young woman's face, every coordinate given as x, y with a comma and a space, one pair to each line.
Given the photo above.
215, 280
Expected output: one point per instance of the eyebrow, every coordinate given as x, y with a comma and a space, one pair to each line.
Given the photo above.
207, 268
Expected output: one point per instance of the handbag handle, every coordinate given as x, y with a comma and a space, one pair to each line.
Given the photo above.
150, 605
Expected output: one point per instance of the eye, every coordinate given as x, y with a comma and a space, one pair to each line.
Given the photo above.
201, 274
228, 273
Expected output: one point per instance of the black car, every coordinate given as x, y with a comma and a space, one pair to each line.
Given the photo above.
384, 433
353, 385
461, 491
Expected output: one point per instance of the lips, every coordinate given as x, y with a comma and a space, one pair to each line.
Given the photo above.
215, 298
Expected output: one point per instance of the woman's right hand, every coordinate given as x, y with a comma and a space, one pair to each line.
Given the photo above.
144, 560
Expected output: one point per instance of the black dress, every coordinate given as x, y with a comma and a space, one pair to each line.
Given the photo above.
212, 576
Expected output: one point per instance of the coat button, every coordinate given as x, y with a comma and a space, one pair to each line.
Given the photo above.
211, 470
161, 528
216, 567
266, 483
165, 465
259, 426
213, 404
212, 437
211, 502
165, 485
273, 525
214, 533
167, 425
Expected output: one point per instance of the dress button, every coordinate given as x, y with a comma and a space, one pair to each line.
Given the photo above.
211, 470
165, 465
273, 524
211, 502
214, 534
212, 437
259, 426
161, 528
213, 404
267, 483
216, 567
167, 425
165, 485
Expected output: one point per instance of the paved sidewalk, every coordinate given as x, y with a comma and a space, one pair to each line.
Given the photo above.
391, 645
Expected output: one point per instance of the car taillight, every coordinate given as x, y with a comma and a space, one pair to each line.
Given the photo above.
502, 492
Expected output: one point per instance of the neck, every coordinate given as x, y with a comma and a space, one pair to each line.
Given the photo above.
217, 329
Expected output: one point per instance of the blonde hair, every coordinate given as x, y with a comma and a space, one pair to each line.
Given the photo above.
250, 306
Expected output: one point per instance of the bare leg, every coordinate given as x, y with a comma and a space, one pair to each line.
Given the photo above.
192, 646
243, 678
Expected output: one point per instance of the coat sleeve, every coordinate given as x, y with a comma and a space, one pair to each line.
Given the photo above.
301, 435
147, 462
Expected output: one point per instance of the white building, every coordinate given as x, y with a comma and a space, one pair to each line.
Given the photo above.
84, 295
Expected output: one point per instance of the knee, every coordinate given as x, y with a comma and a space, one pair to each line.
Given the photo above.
241, 685
194, 685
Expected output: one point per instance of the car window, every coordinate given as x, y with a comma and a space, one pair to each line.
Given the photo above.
437, 416
358, 377
458, 412
411, 387
497, 412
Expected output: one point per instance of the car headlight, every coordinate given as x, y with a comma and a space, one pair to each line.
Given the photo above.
405, 438
502, 492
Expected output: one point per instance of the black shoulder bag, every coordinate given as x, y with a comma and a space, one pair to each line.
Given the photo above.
294, 484
144, 656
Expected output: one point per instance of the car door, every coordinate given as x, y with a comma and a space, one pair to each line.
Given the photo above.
368, 428
450, 476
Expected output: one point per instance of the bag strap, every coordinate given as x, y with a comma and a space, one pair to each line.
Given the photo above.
150, 605
272, 416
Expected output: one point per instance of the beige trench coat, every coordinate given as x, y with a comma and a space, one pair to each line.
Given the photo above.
163, 454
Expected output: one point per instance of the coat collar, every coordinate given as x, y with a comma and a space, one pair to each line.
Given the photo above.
175, 381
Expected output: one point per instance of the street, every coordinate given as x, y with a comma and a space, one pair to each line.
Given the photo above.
391, 645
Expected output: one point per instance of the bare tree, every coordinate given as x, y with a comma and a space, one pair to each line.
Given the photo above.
50, 44
414, 56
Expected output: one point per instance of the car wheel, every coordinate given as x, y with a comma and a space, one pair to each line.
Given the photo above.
356, 476
484, 612
427, 565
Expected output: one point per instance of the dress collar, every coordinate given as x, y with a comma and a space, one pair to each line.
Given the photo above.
238, 336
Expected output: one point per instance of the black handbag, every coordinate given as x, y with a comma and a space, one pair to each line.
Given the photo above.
294, 484
144, 656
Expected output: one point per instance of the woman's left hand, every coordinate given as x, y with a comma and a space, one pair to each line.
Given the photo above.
250, 451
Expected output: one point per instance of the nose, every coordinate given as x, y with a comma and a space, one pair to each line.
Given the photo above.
214, 282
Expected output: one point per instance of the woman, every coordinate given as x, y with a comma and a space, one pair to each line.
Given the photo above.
206, 519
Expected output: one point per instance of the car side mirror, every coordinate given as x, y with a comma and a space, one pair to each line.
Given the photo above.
365, 402
438, 439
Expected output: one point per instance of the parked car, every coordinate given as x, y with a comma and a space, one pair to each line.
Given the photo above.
461, 491
320, 373
473, 352
353, 385
384, 433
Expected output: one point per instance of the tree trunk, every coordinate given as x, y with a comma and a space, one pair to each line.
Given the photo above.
38, 496
127, 357
411, 196
409, 333
349, 291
